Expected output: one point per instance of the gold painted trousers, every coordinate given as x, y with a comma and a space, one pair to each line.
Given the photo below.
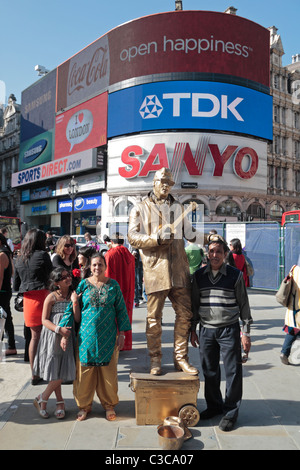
180, 298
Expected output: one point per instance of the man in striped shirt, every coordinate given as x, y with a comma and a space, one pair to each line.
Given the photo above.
219, 301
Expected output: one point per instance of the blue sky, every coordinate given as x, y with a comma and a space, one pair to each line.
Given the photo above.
48, 33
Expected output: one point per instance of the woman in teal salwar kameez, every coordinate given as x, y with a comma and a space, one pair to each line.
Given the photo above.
101, 311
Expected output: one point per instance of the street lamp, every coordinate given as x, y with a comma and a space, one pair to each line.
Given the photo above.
72, 190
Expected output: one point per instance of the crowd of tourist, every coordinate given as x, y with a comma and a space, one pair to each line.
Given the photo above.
75, 317
77, 306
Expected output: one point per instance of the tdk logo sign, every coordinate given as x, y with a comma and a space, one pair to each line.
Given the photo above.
152, 108
189, 104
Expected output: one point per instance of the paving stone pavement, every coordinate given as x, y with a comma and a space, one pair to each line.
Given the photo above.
269, 417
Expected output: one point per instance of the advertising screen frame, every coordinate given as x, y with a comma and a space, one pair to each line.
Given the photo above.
190, 104
82, 127
38, 107
181, 42
55, 169
208, 161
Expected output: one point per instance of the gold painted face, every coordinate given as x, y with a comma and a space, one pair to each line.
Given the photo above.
161, 189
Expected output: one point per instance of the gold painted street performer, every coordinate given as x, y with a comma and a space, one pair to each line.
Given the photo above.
156, 229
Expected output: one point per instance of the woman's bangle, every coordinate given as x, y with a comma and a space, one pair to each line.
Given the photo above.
57, 329
122, 335
75, 303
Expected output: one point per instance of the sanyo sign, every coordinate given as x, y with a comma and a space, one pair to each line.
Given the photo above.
190, 105
211, 160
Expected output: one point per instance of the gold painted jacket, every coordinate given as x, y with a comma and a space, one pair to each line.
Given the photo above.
164, 265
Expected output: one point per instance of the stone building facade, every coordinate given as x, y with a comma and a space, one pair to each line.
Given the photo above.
284, 151
9, 155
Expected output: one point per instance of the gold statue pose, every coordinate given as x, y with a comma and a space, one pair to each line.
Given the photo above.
156, 227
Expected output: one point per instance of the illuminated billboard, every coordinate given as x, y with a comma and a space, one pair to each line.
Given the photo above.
207, 160
184, 42
37, 150
63, 167
190, 105
84, 75
190, 41
81, 203
82, 127
38, 107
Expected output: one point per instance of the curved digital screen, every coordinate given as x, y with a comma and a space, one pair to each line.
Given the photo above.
190, 105
172, 42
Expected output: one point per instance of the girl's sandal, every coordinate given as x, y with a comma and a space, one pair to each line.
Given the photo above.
37, 403
60, 413
82, 415
110, 415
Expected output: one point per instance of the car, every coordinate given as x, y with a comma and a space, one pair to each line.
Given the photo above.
81, 241
103, 248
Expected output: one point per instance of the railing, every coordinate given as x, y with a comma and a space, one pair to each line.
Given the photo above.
270, 248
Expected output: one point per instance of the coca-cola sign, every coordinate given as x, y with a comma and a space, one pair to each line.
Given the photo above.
85, 74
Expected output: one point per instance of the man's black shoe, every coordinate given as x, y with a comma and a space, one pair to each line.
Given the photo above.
210, 413
226, 424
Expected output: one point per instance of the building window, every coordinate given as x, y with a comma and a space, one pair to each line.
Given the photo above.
276, 144
284, 179
276, 212
228, 208
197, 214
123, 208
297, 181
284, 146
283, 84
278, 177
255, 211
271, 176
296, 148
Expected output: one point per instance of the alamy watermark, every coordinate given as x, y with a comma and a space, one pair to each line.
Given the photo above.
2, 93
175, 221
296, 92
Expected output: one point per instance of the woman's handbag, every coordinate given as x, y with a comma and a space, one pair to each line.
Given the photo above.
285, 289
249, 268
19, 302
283, 294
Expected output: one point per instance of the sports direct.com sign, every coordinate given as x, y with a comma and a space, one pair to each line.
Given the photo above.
208, 161
55, 169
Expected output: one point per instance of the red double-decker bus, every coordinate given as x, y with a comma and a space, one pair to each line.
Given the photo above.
13, 225
290, 216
